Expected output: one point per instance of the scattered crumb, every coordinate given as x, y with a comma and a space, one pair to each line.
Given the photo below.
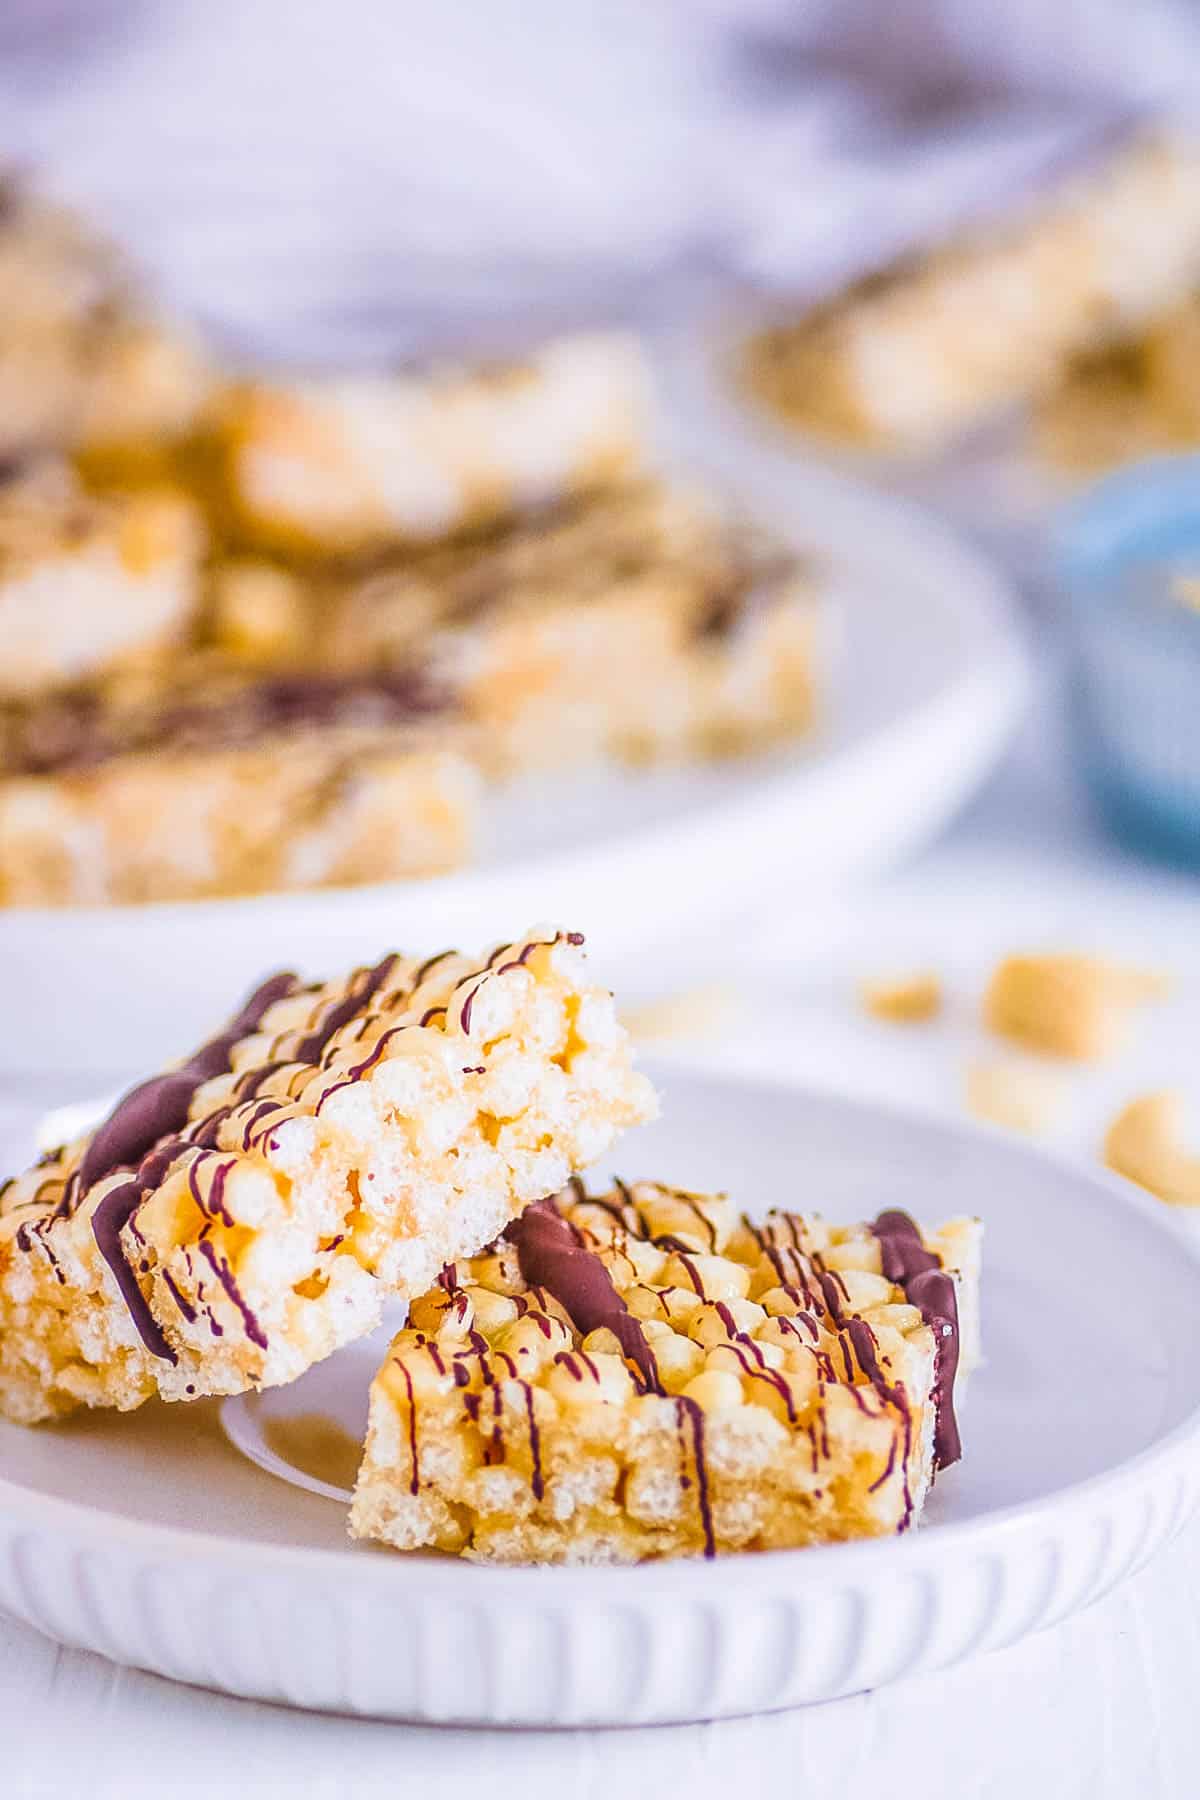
903, 1000
1142, 1143
699, 1012
1066, 1005
1021, 1099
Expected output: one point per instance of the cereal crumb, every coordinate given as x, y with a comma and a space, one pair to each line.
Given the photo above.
903, 1000
1066, 1005
1142, 1143
1020, 1099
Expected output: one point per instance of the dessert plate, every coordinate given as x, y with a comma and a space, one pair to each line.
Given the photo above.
926, 682
152, 1539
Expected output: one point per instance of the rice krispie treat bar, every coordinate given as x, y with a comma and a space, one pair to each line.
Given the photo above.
647, 1373
85, 581
209, 780
338, 733
914, 355
349, 464
242, 1215
638, 624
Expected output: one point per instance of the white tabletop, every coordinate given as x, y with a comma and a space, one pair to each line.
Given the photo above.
1104, 1705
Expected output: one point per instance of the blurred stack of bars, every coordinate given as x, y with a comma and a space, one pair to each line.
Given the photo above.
267, 633
1059, 341
1077, 314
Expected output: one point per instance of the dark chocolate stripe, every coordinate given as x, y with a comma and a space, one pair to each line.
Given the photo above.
108, 1221
159, 1107
224, 1274
692, 1411
76, 730
311, 1048
907, 1262
155, 1111
552, 1256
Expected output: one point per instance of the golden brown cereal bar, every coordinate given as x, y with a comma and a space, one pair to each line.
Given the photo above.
350, 464
333, 728
916, 354
239, 1217
209, 780
639, 624
84, 581
647, 1373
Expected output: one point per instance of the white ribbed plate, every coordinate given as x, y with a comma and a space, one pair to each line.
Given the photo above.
152, 1540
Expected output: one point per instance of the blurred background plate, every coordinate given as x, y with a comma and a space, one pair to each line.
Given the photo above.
926, 684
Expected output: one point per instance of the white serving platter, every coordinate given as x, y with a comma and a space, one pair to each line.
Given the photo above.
152, 1540
927, 682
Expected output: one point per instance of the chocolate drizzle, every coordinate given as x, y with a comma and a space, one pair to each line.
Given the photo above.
552, 1255
312, 1048
155, 1111
80, 729
108, 1221
690, 1409
751, 583
857, 1334
927, 1286
225, 1276
535, 1444
159, 1107
557, 1262
414, 1480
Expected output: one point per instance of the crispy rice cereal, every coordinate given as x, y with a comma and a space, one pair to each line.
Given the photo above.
239, 1217
207, 779
86, 581
335, 729
641, 624
350, 464
646, 1373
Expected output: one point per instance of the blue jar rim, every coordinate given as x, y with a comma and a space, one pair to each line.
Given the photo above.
1145, 513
